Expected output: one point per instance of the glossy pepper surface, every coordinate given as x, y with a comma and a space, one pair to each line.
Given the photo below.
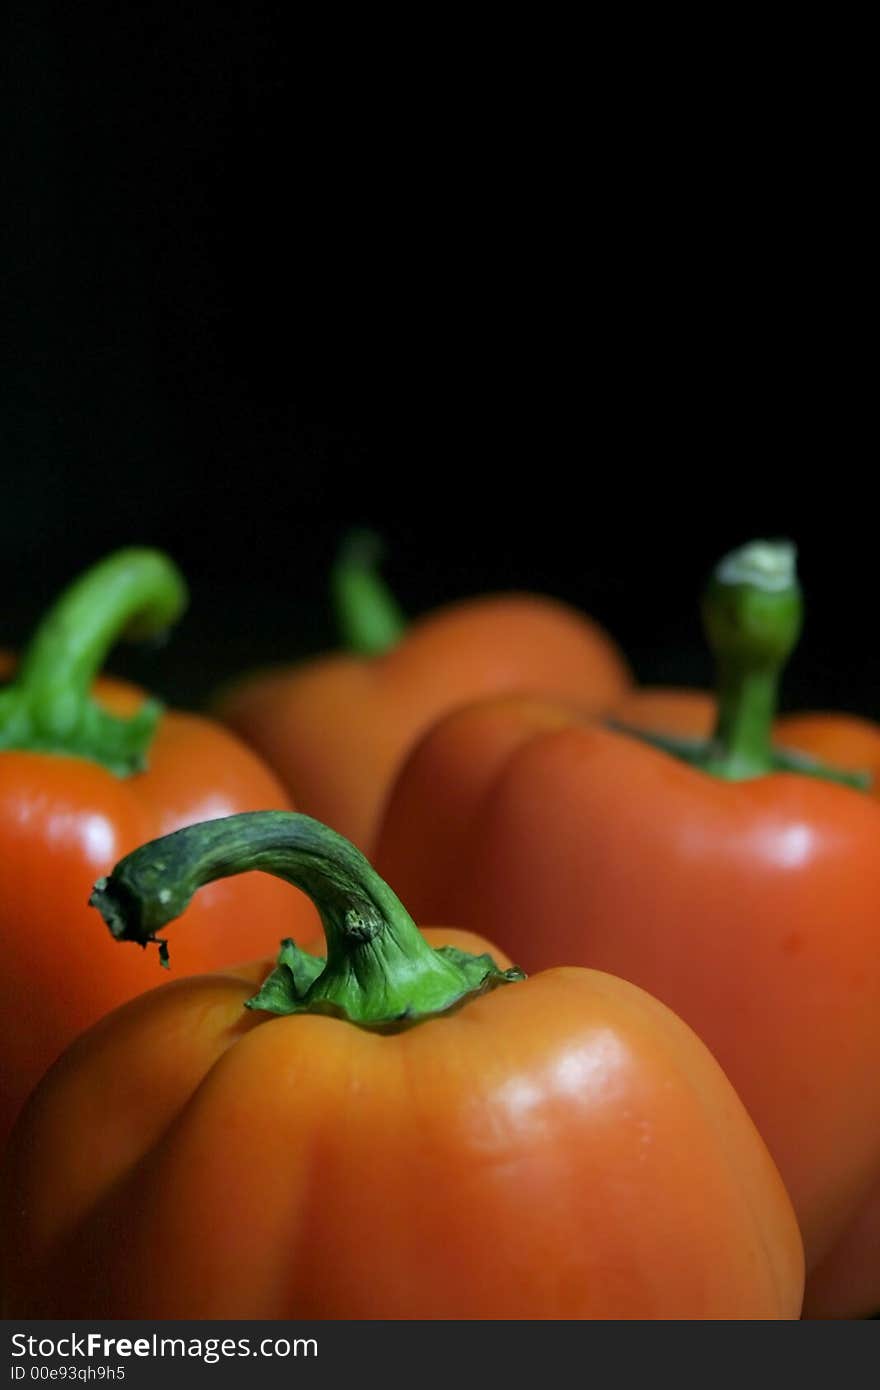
397, 1132
336, 729
847, 1282
748, 900
82, 781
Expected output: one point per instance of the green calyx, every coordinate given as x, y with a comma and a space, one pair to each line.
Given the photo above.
48, 707
368, 617
380, 972
752, 615
702, 754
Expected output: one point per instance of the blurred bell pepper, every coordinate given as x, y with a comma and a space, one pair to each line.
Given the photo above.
738, 883
397, 1131
335, 729
85, 775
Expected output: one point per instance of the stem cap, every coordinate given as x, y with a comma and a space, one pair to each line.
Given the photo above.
753, 606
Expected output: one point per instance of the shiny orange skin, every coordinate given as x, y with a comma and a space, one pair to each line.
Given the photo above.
847, 1283
66, 821
559, 1148
749, 908
336, 729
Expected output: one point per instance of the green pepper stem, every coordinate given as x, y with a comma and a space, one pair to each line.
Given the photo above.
380, 971
134, 593
368, 617
752, 613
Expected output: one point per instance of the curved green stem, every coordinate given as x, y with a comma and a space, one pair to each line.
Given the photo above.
380, 971
134, 593
368, 617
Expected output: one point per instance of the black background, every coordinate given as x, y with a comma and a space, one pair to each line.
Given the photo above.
540, 332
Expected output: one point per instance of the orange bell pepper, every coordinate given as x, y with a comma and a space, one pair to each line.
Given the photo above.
83, 780
396, 1132
847, 1282
748, 900
336, 729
